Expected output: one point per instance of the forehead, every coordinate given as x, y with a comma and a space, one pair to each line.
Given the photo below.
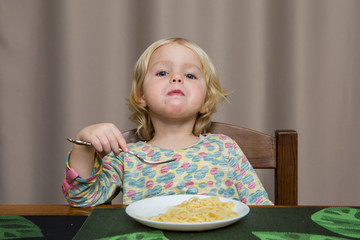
175, 52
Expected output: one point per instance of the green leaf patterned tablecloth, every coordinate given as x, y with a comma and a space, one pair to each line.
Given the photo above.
265, 223
17, 227
40, 226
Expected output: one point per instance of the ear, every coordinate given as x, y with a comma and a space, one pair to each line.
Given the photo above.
142, 100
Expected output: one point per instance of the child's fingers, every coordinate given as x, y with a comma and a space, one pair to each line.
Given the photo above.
97, 144
105, 142
120, 140
113, 143
104, 137
123, 144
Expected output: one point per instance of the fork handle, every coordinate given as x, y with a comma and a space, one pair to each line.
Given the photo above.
78, 142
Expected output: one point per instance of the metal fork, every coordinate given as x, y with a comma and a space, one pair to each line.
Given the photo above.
135, 154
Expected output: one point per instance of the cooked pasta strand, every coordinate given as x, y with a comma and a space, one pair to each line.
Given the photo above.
196, 210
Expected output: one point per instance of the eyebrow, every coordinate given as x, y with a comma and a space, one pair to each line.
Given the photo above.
170, 62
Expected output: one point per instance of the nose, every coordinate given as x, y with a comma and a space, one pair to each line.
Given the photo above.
176, 78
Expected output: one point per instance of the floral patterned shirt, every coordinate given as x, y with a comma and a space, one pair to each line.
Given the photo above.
215, 165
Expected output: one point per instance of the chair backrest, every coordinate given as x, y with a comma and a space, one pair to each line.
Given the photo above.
264, 152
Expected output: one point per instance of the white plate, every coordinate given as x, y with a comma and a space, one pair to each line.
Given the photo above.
150, 207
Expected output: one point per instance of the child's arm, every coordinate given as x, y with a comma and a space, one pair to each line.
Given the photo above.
101, 187
249, 187
104, 137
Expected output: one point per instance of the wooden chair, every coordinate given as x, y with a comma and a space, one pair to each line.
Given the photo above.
264, 152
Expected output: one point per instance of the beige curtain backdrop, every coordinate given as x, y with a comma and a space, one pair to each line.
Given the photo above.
288, 65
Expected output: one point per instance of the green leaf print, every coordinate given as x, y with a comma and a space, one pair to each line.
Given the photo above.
16, 227
292, 236
155, 235
341, 220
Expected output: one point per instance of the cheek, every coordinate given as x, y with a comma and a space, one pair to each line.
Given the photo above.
153, 90
202, 91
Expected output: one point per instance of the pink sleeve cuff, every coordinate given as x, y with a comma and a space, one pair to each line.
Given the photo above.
72, 174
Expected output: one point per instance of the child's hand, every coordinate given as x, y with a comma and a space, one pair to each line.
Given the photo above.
105, 137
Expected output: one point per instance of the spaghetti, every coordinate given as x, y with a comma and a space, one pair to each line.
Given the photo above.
196, 210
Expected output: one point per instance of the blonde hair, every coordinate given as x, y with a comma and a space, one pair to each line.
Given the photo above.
214, 92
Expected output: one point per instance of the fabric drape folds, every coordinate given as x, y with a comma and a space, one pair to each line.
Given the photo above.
287, 64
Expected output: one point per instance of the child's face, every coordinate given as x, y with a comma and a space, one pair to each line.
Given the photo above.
174, 86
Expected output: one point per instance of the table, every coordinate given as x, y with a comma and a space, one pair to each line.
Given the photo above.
65, 222
50, 209
55, 221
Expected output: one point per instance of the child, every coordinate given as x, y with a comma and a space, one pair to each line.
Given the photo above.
174, 93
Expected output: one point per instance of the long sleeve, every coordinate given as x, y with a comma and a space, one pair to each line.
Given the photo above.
101, 187
215, 166
248, 185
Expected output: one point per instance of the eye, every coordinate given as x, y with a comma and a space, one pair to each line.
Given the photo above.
162, 74
191, 76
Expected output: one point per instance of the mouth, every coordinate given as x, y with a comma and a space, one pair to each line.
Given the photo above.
176, 92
